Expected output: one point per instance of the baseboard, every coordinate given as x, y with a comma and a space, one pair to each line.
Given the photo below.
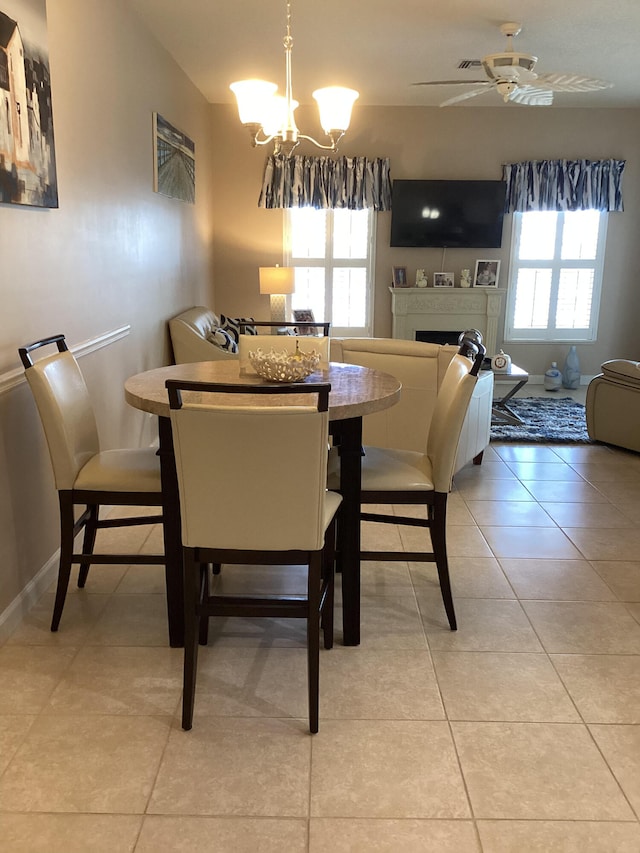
11, 617
534, 379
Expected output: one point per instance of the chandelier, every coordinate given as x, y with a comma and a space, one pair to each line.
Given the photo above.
270, 117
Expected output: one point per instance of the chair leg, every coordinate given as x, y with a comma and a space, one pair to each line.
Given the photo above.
89, 541
328, 575
66, 553
438, 520
203, 627
191, 601
313, 637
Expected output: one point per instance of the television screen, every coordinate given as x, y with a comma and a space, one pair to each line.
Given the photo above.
448, 214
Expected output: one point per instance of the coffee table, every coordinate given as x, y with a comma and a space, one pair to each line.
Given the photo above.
500, 412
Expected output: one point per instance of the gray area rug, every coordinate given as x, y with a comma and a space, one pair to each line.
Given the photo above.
545, 420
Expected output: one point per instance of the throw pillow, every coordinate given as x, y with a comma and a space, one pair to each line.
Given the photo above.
232, 326
222, 339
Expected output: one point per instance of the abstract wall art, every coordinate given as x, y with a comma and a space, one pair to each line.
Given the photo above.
27, 152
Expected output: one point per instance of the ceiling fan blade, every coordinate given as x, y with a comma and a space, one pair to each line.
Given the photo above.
571, 83
448, 83
477, 90
532, 96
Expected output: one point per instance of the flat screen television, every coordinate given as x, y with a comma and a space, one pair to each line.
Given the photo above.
448, 214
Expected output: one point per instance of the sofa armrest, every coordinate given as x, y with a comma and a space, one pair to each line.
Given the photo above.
189, 332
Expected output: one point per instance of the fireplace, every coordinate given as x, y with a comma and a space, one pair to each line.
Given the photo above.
444, 309
443, 337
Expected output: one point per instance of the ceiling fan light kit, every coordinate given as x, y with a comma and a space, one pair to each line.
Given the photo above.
270, 117
512, 75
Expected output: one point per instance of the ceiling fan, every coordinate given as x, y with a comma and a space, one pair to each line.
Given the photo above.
511, 74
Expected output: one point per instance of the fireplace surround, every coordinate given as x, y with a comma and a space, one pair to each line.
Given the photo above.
418, 309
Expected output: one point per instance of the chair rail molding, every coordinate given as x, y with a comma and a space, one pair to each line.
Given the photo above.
446, 309
12, 378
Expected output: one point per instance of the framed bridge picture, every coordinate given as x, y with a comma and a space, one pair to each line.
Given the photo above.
174, 157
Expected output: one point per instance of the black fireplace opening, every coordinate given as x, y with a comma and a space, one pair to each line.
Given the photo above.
438, 337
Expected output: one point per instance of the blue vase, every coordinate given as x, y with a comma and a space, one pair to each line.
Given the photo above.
571, 370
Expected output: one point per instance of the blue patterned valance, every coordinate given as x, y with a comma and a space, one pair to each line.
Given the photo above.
564, 185
354, 183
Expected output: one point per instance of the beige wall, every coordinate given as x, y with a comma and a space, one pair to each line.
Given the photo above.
116, 254
113, 254
459, 143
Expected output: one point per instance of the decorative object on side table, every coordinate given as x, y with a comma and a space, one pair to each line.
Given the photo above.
280, 366
443, 279
552, 378
304, 315
501, 362
571, 370
421, 279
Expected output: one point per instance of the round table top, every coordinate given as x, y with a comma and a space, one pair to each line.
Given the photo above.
355, 390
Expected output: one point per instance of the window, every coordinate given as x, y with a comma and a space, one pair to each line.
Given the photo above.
556, 276
332, 252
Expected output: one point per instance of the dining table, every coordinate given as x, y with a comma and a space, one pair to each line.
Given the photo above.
355, 392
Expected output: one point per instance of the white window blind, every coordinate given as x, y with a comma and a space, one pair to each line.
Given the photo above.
556, 276
332, 253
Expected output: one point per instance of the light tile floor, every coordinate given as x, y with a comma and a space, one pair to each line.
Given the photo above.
519, 732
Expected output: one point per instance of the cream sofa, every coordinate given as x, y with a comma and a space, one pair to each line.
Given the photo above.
613, 404
189, 332
421, 368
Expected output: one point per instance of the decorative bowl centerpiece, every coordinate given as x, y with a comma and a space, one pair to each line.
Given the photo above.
281, 366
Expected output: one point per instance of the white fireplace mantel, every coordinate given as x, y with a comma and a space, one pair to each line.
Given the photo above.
446, 309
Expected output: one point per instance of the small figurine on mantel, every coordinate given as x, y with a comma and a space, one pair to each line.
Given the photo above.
465, 278
421, 278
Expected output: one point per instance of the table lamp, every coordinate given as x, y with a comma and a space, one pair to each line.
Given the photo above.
277, 281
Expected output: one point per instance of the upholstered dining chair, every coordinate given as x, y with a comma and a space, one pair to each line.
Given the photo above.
409, 477
274, 508
84, 474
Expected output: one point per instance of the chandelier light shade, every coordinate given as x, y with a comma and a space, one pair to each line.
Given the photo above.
270, 117
277, 282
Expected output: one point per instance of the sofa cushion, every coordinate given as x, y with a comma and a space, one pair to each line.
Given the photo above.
232, 326
222, 339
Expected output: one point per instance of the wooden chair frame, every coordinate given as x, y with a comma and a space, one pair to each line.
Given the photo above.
200, 604
89, 520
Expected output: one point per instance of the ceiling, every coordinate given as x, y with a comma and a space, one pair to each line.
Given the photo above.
380, 47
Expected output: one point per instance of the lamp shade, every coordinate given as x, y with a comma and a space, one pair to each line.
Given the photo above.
277, 280
275, 116
254, 99
335, 104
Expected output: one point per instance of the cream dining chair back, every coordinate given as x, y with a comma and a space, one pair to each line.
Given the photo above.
274, 509
410, 477
84, 474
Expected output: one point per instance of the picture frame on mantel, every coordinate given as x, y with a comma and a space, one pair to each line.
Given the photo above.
486, 274
399, 277
444, 279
